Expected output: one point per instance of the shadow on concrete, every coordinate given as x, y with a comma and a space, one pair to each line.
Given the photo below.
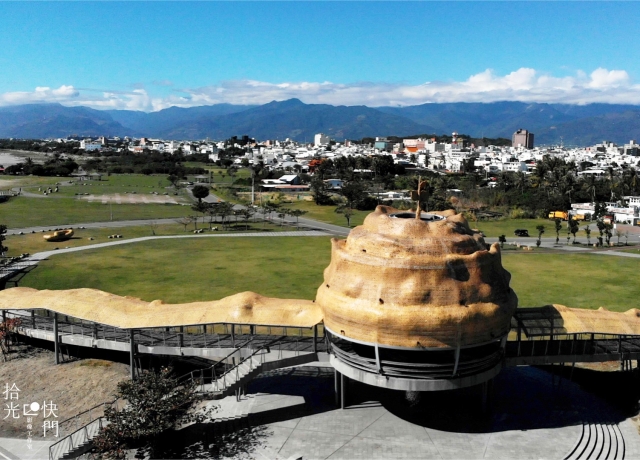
523, 398
207, 442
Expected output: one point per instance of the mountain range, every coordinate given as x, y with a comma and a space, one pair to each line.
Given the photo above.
551, 123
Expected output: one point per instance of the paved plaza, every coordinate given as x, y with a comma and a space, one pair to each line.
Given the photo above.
534, 416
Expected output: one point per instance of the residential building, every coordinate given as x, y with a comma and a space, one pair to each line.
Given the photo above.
522, 138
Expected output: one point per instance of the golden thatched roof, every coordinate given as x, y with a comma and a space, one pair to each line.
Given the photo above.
130, 312
430, 282
601, 321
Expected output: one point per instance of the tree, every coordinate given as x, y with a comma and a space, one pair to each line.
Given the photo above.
7, 330
540, 229
319, 190
202, 208
185, 221
347, 212
573, 228
156, 403
587, 231
153, 225
246, 214
225, 209
608, 232
173, 179
297, 213
354, 193
558, 224
200, 192
502, 239
601, 227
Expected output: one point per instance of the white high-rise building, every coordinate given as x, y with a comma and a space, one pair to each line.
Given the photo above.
320, 139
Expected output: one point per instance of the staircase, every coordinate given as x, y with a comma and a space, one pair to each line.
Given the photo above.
233, 380
234, 407
87, 424
601, 441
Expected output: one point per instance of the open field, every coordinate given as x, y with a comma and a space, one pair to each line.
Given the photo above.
495, 228
575, 280
327, 213
27, 212
193, 269
207, 269
34, 242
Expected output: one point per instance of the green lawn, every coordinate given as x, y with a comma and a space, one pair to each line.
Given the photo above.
116, 183
327, 213
58, 211
34, 242
206, 269
574, 280
495, 228
193, 269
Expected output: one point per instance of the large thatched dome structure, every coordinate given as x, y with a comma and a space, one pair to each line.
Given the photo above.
406, 284
430, 282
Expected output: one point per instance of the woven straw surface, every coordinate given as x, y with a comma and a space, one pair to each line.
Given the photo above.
130, 312
601, 321
412, 283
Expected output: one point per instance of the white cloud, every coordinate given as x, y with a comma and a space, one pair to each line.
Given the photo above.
524, 84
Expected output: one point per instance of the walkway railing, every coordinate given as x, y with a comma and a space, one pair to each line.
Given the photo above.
220, 381
86, 426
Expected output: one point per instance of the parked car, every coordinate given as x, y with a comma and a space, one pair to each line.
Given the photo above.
521, 232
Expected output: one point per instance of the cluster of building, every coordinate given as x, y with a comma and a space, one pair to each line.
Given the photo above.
451, 157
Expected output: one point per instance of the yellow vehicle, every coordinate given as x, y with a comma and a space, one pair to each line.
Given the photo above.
60, 235
558, 215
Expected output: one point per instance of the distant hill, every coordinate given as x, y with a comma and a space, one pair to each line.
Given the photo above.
577, 125
155, 124
36, 121
295, 120
616, 127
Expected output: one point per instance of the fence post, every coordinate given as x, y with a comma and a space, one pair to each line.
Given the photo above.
181, 337
315, 338
132, 362
56, 346
33, 319
233, 335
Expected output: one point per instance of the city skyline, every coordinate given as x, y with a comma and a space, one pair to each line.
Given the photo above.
149, 56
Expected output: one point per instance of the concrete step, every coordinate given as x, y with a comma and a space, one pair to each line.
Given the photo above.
579, 445
231, 413
609, 439
598, 441
618, 450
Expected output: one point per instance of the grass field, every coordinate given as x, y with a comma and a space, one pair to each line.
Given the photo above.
327, 213
26, 212
495, 228
207, 269
34, 242
193, 269
574, 280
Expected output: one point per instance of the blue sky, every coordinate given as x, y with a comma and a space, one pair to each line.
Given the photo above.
147, 56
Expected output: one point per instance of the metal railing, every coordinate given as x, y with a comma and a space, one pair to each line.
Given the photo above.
221, 381
84, 431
